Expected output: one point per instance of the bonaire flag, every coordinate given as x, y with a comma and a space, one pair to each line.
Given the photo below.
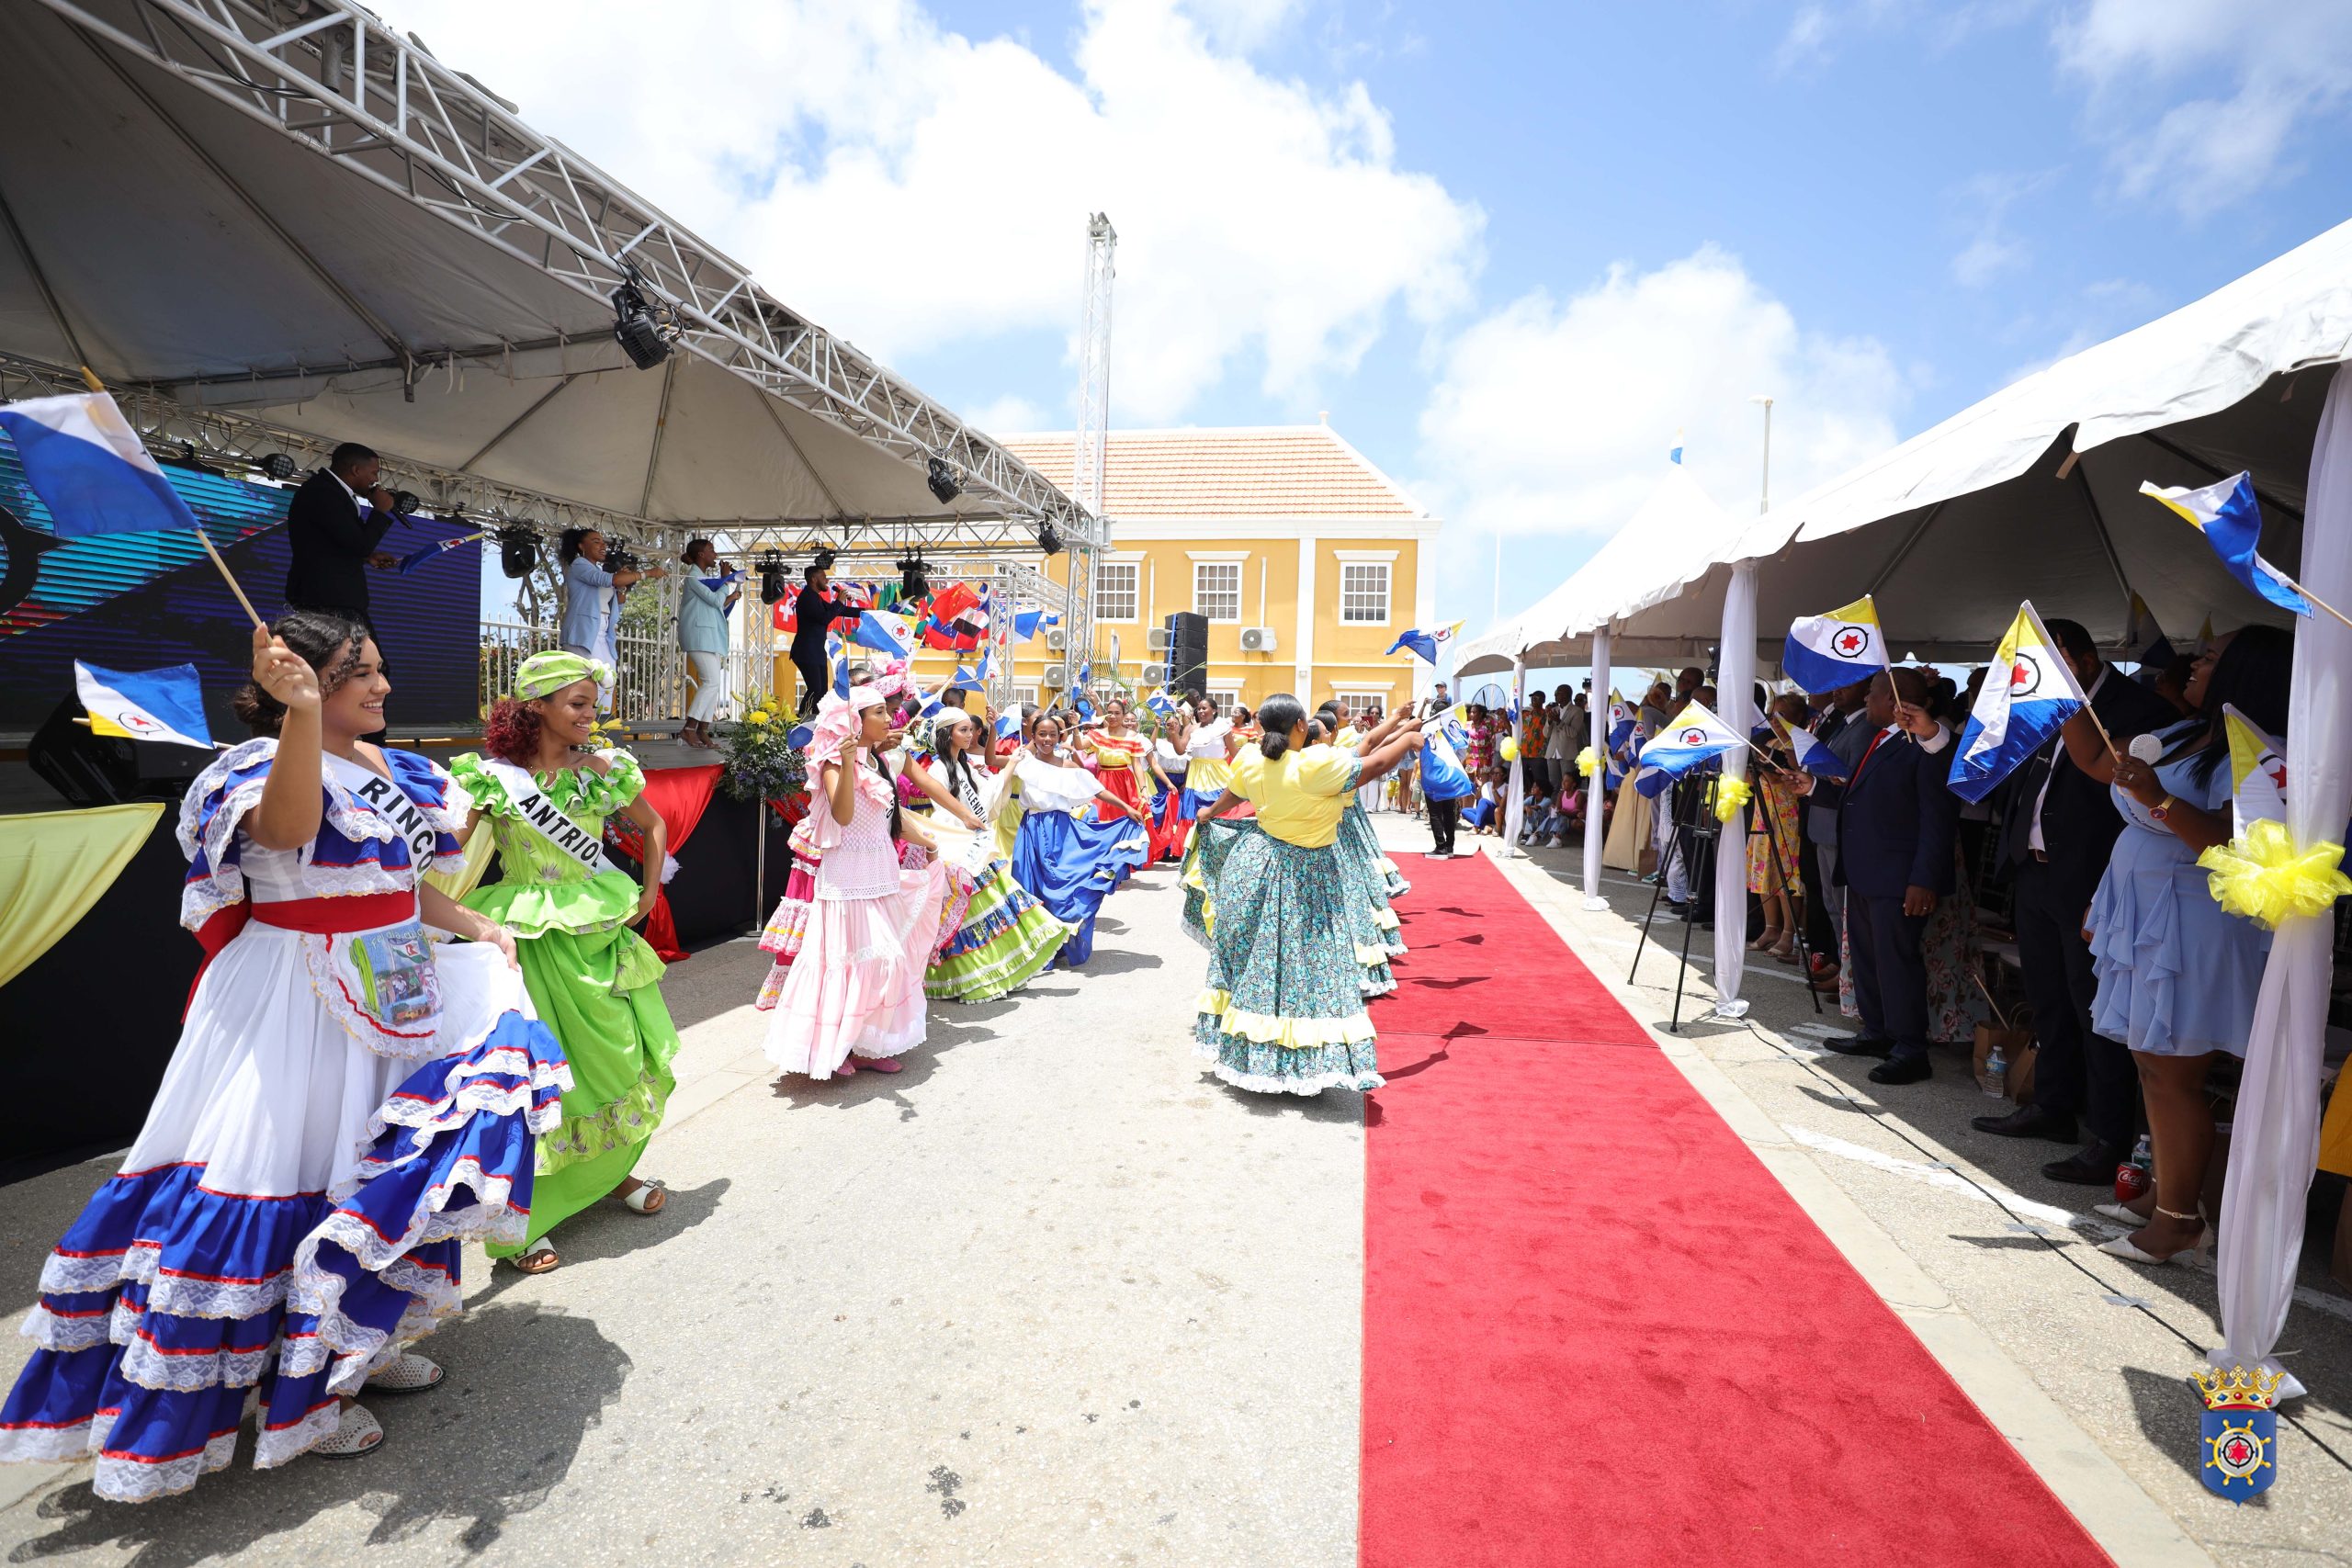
1008, 725
1161, 703
2231, 519
2013, 717
89, 467
2257, 773
440, 547
1825, 652
165, 704
1442, 775
1813, 755
885, 632
1426, 642
1027, 622
1695, 736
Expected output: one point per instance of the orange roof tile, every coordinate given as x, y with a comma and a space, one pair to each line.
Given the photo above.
1273, 471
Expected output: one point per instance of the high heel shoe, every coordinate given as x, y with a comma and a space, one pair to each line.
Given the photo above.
2201, 1253
2121, 1214
1764, 943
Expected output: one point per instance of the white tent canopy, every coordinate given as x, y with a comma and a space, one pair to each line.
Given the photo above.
1668, 544
2032, 492
324, 228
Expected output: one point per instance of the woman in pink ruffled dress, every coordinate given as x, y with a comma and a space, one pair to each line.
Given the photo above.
855, 988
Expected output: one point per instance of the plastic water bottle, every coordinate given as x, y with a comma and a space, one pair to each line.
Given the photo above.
1997, 1073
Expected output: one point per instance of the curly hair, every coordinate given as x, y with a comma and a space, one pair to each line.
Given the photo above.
317, 635
511, 732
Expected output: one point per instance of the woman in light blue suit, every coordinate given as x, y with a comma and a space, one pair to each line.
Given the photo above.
592, 601
701, 637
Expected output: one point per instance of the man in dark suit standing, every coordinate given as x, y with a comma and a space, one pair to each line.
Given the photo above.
2057, 830
332, 544
1895, 827
813, 613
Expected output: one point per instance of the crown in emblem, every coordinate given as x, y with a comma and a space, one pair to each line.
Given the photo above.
2238, 1389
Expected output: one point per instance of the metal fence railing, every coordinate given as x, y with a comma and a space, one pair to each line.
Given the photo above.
651, 688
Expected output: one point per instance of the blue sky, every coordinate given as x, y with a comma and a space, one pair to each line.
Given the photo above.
1510, 249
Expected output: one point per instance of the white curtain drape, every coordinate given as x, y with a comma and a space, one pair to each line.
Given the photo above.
1515, 803
1596, 787
2274, 1138
1736, 675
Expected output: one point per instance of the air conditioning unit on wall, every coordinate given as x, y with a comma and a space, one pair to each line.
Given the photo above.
1056, 675
1056, 639
1157, 640
1257, 639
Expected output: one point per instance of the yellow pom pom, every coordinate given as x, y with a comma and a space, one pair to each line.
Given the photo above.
1731, 793
2263, 876
1588, 761
1511, 749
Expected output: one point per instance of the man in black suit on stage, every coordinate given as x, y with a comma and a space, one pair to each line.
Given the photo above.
1895, 827
332, 544
814, 612
2057, 830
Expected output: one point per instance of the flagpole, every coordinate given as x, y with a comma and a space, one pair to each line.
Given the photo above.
2311, 596
90, 378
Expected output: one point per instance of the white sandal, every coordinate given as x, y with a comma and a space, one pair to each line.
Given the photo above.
647, 1196
528, 1263
412, 1373
357, 1434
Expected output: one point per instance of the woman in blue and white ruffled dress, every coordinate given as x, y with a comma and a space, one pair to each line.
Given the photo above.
350, 1100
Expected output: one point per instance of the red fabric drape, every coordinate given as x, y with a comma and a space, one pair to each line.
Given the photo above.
679, 796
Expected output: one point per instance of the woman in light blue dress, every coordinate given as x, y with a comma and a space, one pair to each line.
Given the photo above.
592, 601
2177, 975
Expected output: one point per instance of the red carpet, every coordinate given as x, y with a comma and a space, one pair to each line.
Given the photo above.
1596, 1331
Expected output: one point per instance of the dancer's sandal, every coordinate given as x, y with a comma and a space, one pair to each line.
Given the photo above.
647, 1196
1767, 942
412, 1373
2199, 1251
357, 1433
538, 1258
881, 1065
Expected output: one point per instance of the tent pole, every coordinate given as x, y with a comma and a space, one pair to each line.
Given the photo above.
1595, 788
517, 423
1902, 552
40, 281
2105, 541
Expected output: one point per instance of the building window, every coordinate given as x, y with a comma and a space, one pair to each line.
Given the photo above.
1216, 590
1353, 705
1117, 590
1024, 696
1226, 700
1363, 593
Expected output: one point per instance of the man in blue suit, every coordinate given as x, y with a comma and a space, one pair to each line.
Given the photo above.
1895, 827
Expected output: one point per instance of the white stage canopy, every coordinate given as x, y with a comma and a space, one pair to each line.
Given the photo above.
293, 212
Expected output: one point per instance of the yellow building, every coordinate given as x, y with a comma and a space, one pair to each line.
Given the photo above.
1306, 559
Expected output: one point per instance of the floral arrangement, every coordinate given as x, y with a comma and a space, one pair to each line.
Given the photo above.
761, 761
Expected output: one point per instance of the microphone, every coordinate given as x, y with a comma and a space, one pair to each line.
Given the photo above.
2146, 747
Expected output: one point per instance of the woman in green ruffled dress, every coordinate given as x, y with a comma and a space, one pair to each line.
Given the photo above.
594, 981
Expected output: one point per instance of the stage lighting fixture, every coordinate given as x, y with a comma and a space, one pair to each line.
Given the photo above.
518, 550
1049, 538
825, 558
279, 466
773, 586
912, 583
643, 328
945, 484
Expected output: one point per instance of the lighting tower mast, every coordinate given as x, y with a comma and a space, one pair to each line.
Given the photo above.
1093, 435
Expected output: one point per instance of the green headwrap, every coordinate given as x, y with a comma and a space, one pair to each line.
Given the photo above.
545, 673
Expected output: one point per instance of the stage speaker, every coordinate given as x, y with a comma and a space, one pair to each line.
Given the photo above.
1188, 651
108, 769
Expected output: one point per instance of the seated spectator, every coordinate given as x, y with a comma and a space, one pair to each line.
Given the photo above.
2178, 974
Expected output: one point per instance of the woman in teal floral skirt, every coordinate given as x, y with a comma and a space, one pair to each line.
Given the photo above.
1283, 1009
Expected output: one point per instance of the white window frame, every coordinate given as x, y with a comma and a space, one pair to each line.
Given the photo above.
1025, 696
1234, 566
1132, 566
1225, 694
1351, 560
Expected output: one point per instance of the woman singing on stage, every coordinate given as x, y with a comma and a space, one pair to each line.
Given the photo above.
1283, 1009
349, 1100
547, 798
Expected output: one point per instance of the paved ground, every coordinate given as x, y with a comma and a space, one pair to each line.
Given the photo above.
1052, 1296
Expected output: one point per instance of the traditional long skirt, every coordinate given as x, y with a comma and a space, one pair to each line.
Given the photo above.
290, 1215
1005, 939
1070, 864
1282, 1011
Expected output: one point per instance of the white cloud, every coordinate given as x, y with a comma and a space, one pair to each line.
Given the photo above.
914, 188
1986, 257
1984, 203
1012, 413
1807, 40
1556, 416
2242, 78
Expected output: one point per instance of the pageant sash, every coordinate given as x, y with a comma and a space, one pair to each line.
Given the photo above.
544, 817
387, 800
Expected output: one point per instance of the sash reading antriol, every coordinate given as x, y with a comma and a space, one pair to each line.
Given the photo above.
544, 817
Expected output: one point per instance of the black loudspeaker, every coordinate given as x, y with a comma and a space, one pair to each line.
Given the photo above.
107, 770
1188, 651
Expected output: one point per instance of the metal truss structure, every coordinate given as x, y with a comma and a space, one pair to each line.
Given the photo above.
330, 76
1093, 440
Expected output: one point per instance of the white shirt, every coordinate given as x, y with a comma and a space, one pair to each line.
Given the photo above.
2033, 835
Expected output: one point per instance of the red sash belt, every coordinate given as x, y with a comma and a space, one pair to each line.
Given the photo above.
319, 917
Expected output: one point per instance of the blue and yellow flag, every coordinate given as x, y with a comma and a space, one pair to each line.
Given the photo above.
1825, 652
2014, 717
2231, 519
2258, 771
1425, 641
